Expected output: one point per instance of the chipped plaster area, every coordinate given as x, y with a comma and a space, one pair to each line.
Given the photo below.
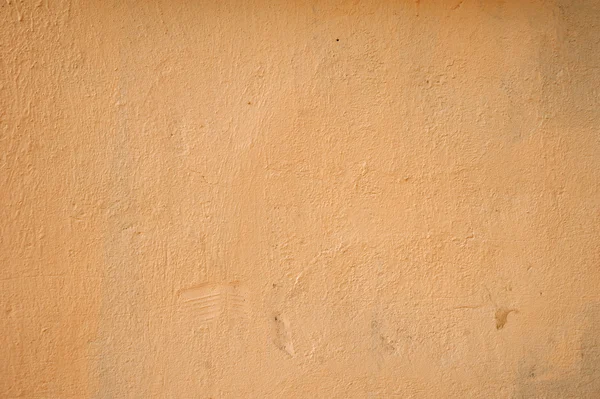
299, 199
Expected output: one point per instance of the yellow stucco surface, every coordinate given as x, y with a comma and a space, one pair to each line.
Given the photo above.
300, 199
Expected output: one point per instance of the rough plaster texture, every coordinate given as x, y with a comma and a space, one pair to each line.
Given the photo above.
300, 199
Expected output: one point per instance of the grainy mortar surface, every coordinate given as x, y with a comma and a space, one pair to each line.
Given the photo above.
300, 199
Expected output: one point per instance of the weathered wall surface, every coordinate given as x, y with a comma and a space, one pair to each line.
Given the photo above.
300, 199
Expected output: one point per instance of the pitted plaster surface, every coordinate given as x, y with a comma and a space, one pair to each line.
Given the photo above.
300, 199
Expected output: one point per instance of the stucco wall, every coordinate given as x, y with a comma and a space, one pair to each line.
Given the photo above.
300, 199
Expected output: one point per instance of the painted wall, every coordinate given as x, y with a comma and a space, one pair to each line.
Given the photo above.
300, 199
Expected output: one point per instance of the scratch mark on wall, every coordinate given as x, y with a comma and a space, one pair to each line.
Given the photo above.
457, 5
208, 301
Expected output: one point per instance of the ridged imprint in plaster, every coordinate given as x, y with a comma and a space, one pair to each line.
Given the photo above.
210, 300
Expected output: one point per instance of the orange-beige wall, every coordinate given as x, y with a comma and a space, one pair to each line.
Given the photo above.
300, 199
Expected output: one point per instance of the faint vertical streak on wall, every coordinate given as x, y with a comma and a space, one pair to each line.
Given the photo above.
121, 314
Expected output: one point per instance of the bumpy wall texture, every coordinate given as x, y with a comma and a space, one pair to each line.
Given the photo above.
300, 199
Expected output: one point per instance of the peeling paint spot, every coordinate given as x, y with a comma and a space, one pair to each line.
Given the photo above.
502, 317
283, 334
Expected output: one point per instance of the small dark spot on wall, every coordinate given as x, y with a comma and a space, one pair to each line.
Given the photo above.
381, 341
337, 40
249, 102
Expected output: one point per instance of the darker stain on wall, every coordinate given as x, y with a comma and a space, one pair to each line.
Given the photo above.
582, 381
590, 351
501, 317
